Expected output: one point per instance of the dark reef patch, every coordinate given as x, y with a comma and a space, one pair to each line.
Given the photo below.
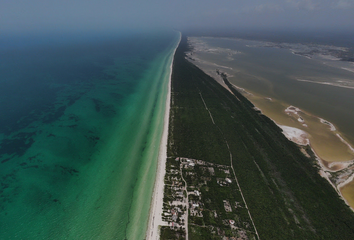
17, 145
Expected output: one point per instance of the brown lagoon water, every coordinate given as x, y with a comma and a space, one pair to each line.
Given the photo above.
274, 79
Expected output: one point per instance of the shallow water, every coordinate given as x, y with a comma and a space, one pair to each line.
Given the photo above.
80, 129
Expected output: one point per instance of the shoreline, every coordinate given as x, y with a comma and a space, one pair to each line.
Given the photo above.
156, 206
301, 138
263, 154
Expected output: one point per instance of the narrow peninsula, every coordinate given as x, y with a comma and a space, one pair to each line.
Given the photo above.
232, 174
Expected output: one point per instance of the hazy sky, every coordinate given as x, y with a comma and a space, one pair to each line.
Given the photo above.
38, 15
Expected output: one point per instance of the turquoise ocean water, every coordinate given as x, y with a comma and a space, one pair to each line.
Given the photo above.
81, 119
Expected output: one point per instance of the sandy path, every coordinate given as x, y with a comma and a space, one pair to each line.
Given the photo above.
232, 167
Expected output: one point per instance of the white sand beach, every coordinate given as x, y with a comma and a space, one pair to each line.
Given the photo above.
155, 218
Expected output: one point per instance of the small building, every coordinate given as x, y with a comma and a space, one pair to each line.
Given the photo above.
195, 205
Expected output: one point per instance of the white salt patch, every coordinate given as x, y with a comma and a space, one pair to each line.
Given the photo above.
257, 109
345, 142
350, 179
333, 128
296, 135
242, 90
300, 119
340, 165
292, 109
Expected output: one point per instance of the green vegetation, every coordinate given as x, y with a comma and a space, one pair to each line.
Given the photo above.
286, 196
167, 233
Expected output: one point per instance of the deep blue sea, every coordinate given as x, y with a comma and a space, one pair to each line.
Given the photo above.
81, 117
